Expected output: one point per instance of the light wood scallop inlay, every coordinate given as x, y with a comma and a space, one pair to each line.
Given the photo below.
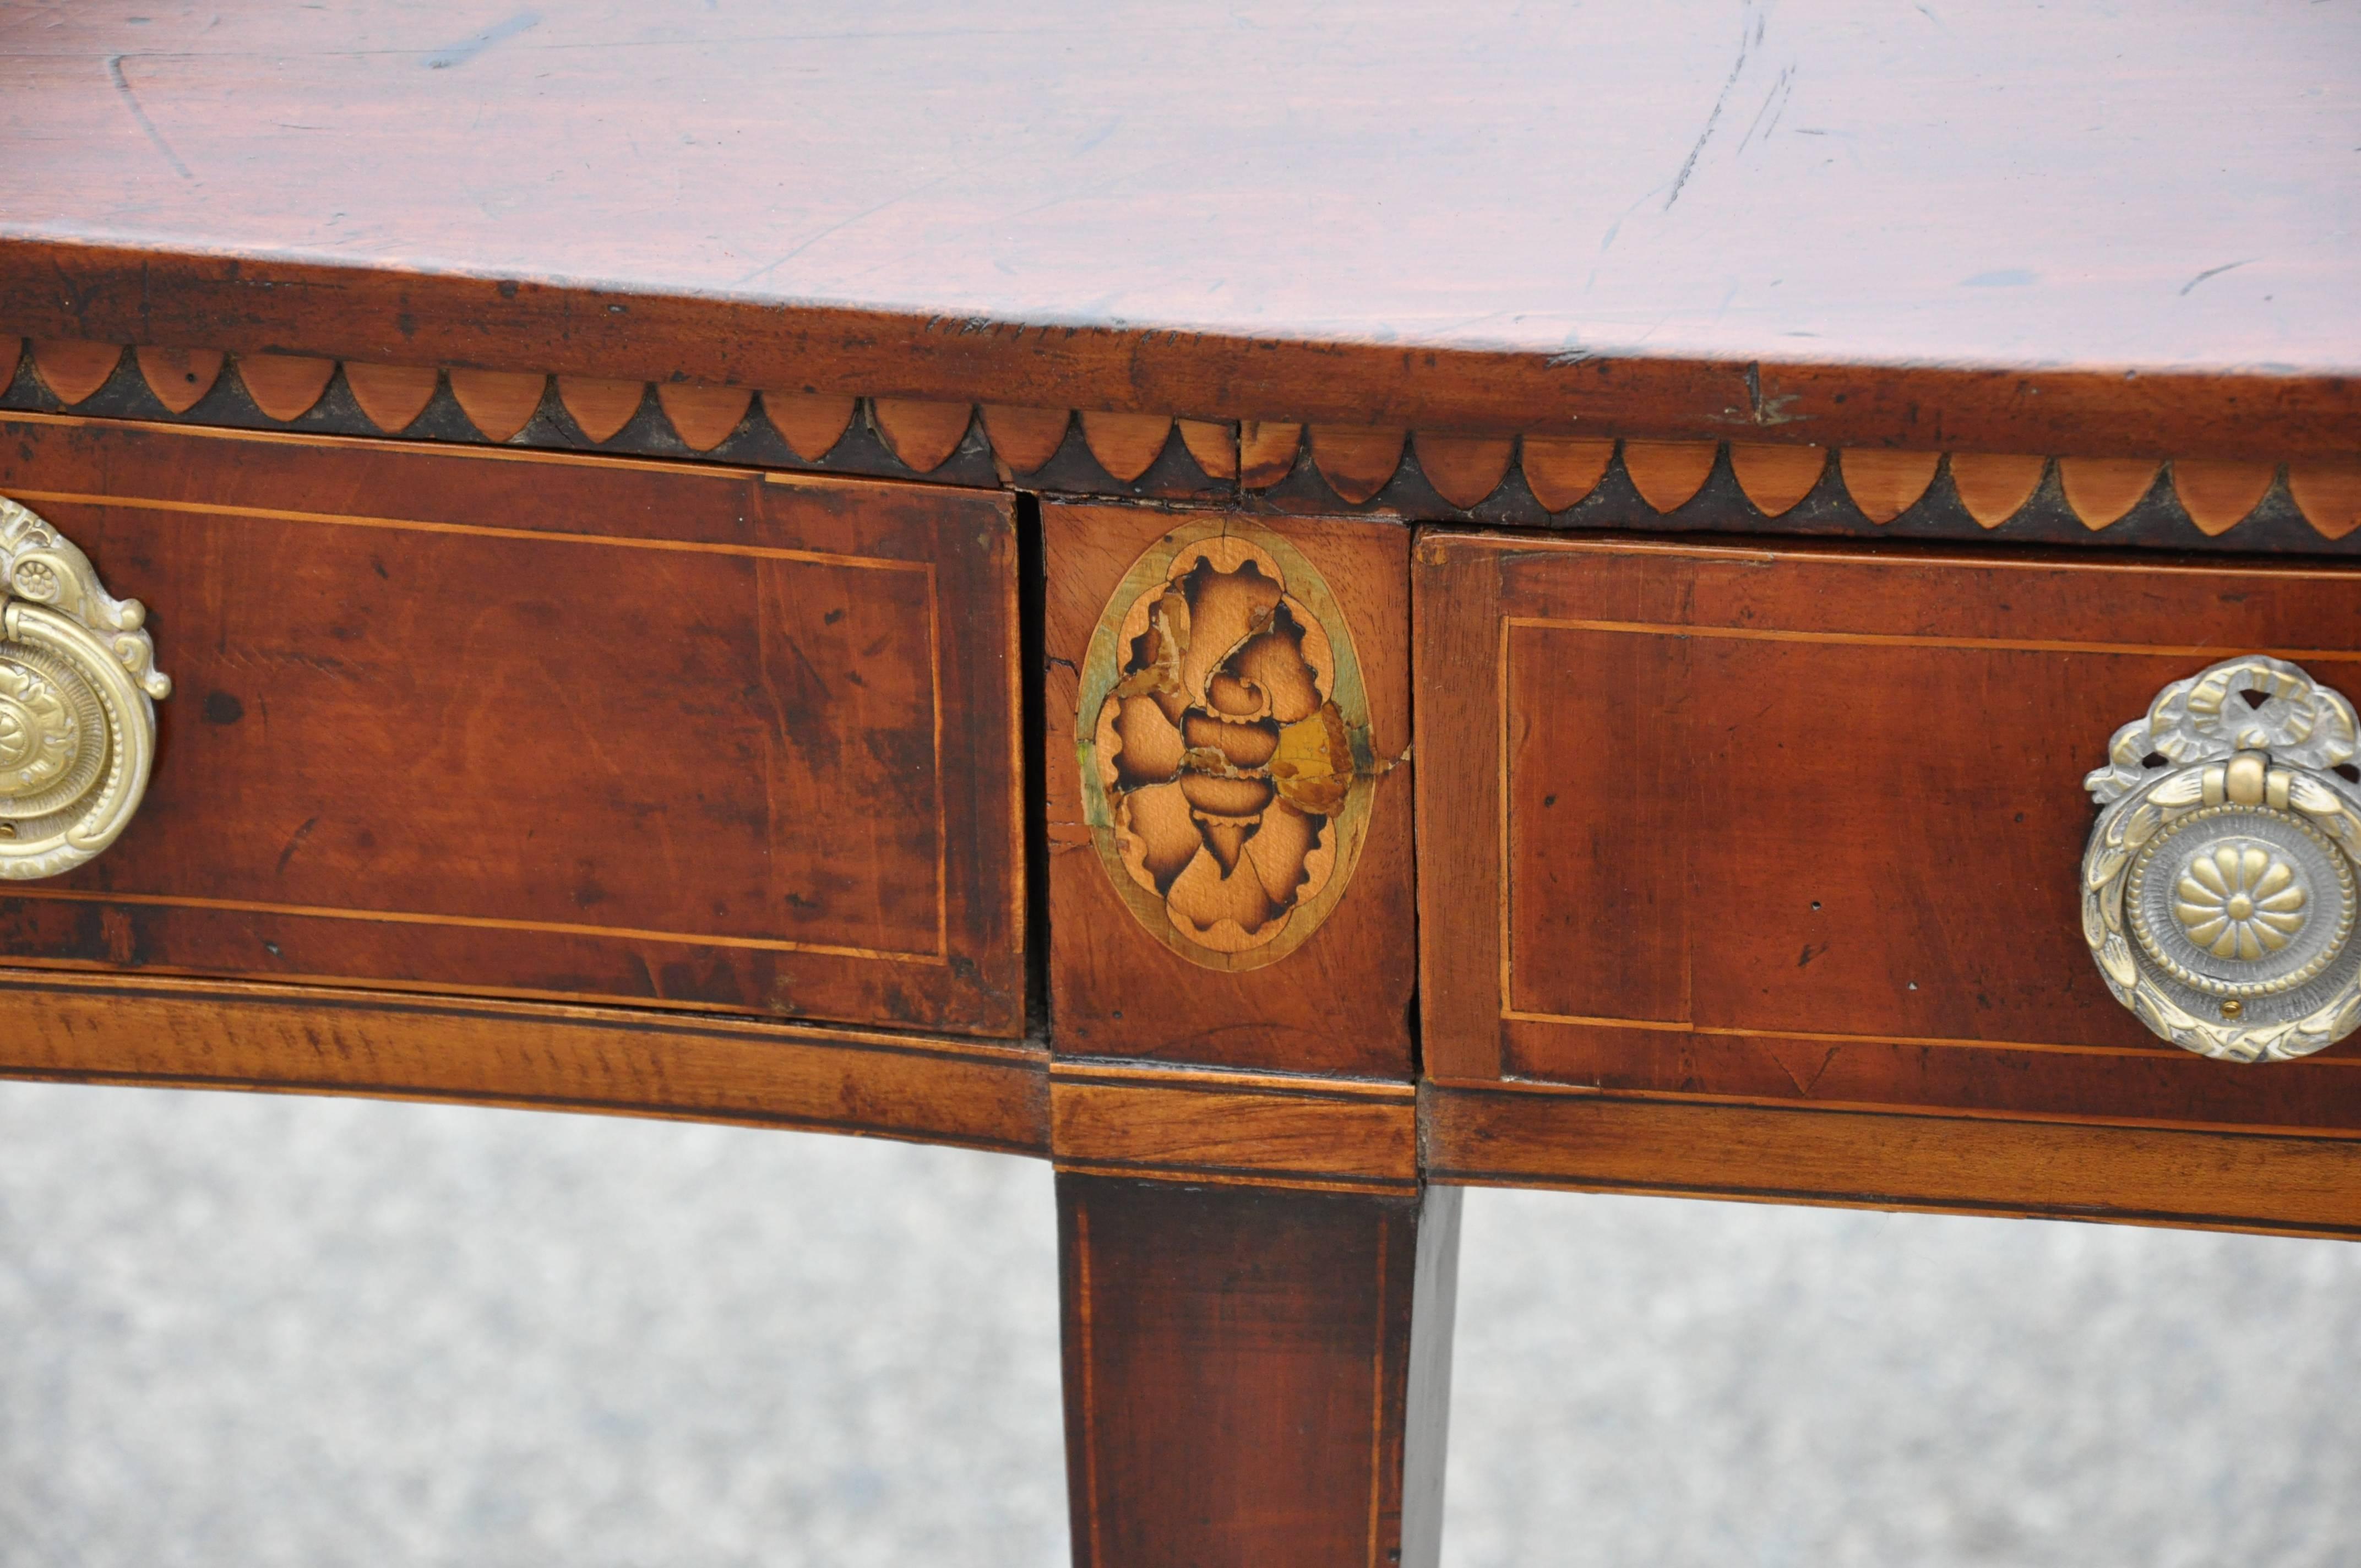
922, 435
392, 396
703, 416
2329, 495
1994, 487
2100, 490
1775, 478
73, 368
499, 403
179, 376
2218, 496
1127, 445
810, 423
1885, 484
1668, 474
282, 385
1561, 470
1024, 439
1464, 469
1266, 452
601, 407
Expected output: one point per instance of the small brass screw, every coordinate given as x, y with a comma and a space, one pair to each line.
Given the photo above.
2232, 1008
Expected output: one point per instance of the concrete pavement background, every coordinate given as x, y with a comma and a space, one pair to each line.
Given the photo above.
243, 1330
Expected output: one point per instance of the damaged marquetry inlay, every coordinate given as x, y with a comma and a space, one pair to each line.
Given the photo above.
1223, 744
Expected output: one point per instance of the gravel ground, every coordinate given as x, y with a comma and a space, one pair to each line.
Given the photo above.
251, 1330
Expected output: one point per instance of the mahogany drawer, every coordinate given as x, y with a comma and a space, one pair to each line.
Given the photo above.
1797, 827
510, 724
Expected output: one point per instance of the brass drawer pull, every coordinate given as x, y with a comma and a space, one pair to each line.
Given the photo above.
2218, 888
78, 682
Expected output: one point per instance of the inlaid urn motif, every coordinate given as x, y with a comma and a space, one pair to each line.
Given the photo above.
1224, 737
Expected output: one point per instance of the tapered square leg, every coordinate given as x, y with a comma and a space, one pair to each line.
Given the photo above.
1255, 1376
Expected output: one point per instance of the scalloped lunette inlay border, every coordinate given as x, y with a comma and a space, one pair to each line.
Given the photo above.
1532, 478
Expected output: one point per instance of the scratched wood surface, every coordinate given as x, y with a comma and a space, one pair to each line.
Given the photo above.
507, 723
1806, 825
2058, 229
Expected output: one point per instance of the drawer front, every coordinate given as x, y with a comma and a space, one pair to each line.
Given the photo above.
1800, 826
497, 723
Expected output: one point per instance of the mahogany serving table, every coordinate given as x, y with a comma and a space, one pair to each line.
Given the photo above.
1289, 610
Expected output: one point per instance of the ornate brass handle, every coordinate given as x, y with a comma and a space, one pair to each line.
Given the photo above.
2218, 888
78, 684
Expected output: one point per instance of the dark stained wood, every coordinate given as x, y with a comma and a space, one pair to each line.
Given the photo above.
511, 724
1532, 1135
624, 1061
1339, 1003
1856, 230
1252, 1375
1802, 824
1266, 1128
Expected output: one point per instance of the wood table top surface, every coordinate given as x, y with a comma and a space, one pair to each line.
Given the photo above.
2011, 225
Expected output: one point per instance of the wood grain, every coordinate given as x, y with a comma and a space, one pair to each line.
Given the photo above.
312, 1040
182, 377
811, 422
1127, 445
1500, 1135
285, 385
1213, 444
1885, 484
393, 395
1356, 461
1255, 1376
1994, 487
73, 367
1842, 853
1464, 469
922, 435
2218, 496
1775, 478
1561, 471
498, 402
1630, 227
1198, 1125
703, 416
1266, 452
1667, 473
601, 408
2102, 490
1338, 1004
506, 723
2330, 494
1025, 439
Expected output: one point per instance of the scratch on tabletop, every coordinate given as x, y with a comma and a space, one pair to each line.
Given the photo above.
1747, 39
2216, 272
131, 102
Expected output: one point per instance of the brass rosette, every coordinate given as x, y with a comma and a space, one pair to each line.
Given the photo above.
78, 690
2219, 886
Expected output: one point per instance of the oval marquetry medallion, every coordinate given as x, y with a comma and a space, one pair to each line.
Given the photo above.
1224, 737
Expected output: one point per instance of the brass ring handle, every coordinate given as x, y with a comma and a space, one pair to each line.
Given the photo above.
2219, 884
78, 692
